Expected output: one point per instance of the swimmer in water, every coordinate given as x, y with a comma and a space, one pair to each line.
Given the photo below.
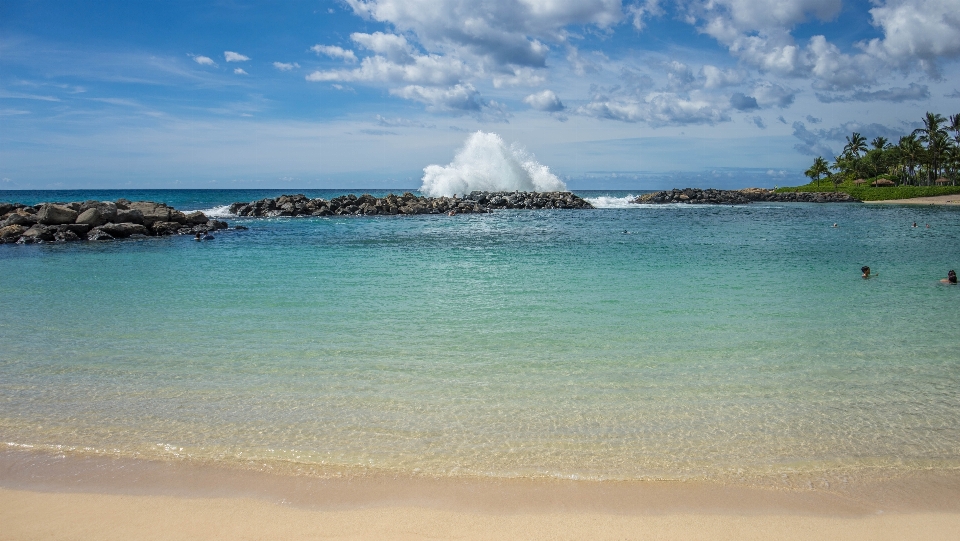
834, 225
866, 272
951, 277
197, 237
914, 224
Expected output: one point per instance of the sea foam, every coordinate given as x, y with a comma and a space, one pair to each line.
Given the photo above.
486, 163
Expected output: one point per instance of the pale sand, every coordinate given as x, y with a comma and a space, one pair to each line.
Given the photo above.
934, 200
26, 515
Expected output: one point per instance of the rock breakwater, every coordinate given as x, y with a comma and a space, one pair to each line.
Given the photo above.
98, 220
407, 203
697, 196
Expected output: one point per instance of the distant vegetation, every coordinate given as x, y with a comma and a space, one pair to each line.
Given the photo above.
925, 162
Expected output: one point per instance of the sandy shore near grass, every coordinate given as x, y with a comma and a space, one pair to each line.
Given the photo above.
26, 516
56, 497
934, 200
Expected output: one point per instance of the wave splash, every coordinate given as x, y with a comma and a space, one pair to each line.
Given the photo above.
486, 163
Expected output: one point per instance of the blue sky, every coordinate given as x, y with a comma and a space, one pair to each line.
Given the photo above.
366, 93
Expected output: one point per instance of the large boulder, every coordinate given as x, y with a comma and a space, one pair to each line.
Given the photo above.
65, 236
11, 233
6, 207
152, 212
122, 231
50, 214
165, 228
19, 219
107, 210
196, 218
80, 230
39, 232
132, 216
91, 217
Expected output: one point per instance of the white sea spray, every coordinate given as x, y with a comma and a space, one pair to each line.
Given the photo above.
486, 163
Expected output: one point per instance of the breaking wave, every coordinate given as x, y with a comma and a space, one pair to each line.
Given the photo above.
609, 202
486, 163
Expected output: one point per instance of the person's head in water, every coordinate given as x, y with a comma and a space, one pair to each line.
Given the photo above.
866, 271
952, 277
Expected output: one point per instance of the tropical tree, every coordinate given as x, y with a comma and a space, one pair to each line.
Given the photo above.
879, 143
932, 135
911, 153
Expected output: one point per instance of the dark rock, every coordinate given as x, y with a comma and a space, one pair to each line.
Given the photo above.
6, 208
165, 228
91, 217
741, 197
51, 214
65, 236
11, 232
123, 230
123, 204
106, 209
195, 218
132, 216
152, 212
39, 232
20, 219
241, 227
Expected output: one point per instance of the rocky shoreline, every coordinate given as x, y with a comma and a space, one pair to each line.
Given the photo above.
697, 196
97, 221
408, 203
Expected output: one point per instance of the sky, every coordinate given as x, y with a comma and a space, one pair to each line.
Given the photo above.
608, 94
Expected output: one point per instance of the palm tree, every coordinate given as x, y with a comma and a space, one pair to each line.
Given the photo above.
879, 143
930, 134
820, 168
910, 153
855, 145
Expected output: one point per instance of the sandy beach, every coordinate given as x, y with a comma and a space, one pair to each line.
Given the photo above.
934, 200
104, 498
54, 516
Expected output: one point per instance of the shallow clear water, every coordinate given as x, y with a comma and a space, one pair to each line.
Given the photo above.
703, 342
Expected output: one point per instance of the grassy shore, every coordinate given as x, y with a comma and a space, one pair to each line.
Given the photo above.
870, 193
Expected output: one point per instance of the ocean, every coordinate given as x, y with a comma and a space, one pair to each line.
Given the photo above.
729, 343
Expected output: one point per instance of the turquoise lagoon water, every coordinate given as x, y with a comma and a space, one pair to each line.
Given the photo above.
705, 342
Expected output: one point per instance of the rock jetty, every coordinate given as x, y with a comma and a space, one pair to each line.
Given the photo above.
408, 203
696, 196
97, 220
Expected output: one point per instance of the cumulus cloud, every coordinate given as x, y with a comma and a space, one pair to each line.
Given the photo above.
714, 77
504, 31
544, 101
814, 120
286, 66
458, 98
810, 142
581, 65
240, 71
335, 52
742, 102
231, 56
913, 92
770, 94
394, 48
204, 60
916, 29
759, 123
657, 109
424, 69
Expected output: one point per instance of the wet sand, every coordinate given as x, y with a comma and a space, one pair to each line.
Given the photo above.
934, 200
60, 497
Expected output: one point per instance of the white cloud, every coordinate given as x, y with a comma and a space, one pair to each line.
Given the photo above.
231, 56
463, 97
335, 52
921, 30
506, 32
715, 77
544, 101
770, 94
641, 11
395, 48
399, 122
582, 66
658, 109
240, 71
426, 69
204, 60
520, 76
286, 66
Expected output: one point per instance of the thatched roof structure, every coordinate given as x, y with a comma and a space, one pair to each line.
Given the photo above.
859, 181
883, 182
942, 181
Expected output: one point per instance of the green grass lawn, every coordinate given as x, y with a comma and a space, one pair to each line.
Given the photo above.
869, 193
